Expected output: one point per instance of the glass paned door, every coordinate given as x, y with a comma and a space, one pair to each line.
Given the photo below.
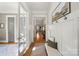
22, 30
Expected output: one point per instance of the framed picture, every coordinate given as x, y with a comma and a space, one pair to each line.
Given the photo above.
62, 9
1, 25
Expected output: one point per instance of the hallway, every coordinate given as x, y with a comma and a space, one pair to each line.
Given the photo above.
39, 28
40, 48
37, 48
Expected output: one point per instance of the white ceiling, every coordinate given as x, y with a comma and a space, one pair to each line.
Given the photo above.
39, 21
8, 7
38, 6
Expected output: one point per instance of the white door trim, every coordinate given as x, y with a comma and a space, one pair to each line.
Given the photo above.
7, 26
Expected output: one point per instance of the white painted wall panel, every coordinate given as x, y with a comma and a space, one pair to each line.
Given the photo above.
66, 32
70, 38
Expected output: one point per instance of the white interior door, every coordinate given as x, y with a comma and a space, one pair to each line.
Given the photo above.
11, 28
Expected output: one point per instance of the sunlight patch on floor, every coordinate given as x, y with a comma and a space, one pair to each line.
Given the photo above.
34, 48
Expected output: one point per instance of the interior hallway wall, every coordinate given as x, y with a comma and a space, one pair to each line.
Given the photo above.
6, 9
65, 31
3, 30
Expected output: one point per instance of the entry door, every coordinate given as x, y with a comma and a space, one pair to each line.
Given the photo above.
11, 29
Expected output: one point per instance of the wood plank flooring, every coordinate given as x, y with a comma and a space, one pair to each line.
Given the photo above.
8, 42
39, 45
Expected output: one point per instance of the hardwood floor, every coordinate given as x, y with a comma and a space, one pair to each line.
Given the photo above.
29, 51
37, 42
8, 42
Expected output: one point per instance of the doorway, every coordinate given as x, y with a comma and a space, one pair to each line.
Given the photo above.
11, 28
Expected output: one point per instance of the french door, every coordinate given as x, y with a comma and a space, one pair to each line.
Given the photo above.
22, 30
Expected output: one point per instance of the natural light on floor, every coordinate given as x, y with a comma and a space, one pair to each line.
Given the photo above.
34, 49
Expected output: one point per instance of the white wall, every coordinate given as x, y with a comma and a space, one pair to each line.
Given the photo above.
6, 9
65, 31
3, 31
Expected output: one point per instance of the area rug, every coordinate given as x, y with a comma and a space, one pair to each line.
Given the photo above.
39, 50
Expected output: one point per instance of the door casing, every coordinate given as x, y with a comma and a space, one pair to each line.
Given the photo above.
14, 27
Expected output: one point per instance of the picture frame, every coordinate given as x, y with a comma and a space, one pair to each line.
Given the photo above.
62, 9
